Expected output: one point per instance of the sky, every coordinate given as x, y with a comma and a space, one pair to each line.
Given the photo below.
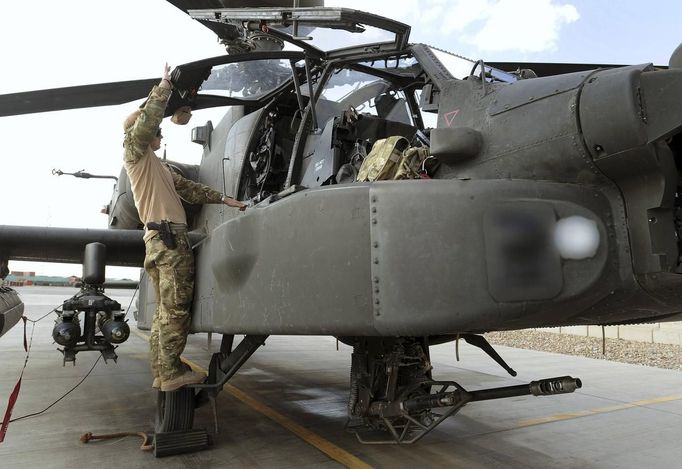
49, 44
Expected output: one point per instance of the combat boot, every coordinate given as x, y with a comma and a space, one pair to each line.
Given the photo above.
188, 377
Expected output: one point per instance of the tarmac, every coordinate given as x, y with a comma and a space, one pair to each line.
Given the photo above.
286, 408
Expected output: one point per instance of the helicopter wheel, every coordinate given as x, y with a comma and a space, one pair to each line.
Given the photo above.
175, 410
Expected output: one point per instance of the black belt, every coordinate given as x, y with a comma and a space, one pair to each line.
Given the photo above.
167, 231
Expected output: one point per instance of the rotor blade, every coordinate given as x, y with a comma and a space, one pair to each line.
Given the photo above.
74, 97
548, 69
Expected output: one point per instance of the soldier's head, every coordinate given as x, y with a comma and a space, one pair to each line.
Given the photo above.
156, 141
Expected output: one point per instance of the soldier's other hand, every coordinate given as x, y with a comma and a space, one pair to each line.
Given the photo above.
166, 72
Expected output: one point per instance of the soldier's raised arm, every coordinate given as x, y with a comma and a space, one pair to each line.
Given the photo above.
142, 125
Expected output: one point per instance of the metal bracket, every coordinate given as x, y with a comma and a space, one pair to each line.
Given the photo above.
480, 342
225, 364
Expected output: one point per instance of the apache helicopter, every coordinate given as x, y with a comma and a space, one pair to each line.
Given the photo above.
549, 197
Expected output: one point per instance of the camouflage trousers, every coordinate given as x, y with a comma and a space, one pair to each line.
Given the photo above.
172, 274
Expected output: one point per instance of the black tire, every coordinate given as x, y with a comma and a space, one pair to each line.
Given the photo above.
174, 410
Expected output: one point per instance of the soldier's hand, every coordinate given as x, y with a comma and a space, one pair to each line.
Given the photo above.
165, 81
230, 202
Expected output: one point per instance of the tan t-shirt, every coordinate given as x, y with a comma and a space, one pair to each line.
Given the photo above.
151, 181
154, 190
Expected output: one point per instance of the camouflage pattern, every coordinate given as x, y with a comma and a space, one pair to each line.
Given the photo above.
171, 270
410, 166
387, 160
142, 132
172, 274
384, 159
194, 192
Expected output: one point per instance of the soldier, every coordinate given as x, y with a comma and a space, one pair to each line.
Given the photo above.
157, 191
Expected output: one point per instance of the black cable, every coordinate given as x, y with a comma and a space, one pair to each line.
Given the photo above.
44, 316
68, 392
80, 382
135, 292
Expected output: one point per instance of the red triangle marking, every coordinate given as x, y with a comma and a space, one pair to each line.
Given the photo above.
450, 116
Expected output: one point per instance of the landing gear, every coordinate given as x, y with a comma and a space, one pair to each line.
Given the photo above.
174, 410
173, 433
387, 371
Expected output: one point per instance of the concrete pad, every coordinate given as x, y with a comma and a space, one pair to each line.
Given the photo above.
625, 416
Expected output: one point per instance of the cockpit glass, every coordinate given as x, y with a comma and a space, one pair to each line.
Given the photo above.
248, 80
345, 83
461, 67
332, 39
365, 93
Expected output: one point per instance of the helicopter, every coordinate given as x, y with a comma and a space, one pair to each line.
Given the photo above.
543, 197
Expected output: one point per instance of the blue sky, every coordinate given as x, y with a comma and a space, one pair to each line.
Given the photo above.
49, 44
586, 31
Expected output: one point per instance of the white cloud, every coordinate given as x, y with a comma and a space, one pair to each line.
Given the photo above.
485, 25
525, 26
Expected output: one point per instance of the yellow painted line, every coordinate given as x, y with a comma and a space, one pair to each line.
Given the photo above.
327, 447
601, 410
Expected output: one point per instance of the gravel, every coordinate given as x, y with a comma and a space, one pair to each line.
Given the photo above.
618, 350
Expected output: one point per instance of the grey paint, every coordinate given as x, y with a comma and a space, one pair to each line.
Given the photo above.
421, 268
424, 257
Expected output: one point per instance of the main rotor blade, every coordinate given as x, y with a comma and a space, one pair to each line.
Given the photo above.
74, 97
548, 69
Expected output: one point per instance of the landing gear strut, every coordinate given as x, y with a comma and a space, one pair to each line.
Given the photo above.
173, 433
175, 410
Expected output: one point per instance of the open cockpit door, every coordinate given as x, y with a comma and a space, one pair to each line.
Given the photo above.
229, 80
324, 33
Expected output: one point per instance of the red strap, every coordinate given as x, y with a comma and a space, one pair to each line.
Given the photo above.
8, 413
15, 393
